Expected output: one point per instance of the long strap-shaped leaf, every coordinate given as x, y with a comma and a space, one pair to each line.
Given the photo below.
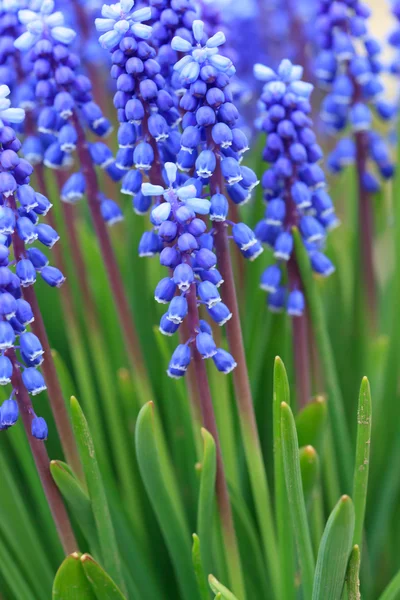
361, 468
334, 552
294, 486
71, 582
220, 590
353, 575
98, 498
176, 536
207, 498
285, 535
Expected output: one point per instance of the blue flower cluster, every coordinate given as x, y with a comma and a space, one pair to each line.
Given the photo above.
186, 248
61, 94
20, 210
181, 119
294, 183
394, 38
349, 66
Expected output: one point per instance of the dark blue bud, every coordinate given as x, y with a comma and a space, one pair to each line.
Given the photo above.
271, 278
296, 303
124, 158
6, 371
24, 312
170, 257
208, 293
67, 138
148, 89
179, 362
219, 207
111, 212
47, 235
8, 185
101, 154
205, 116
74, 188
33, 381
8, 412
143, 156
243, 236
38, 259
7, 335
184, 160
64, 104
187, 242
240, 142
167, 327
212, 275
321, 264
197, 227
126, 135
39, 428
43, 204
205, 345
301, 195
165, 290
228, 113
190, 138
8, 305
134, 111
215, 97
30, 345
206, 164
7, 220
177, 309
25, 272
132, 183
231, 170
168, 231
238, 194
205, 259
219, 313
26, 230
158, 127
311, 229
224, 361
150, 244
183, 276
283, 247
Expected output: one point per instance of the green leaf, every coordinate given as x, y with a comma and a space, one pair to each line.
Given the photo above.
361, 468
70, 582
98, 499
352, 577
309, 467
392, 592
285, 532
176, 535
199, 569
207, 497
335, 398
218, 588
101, 583
76, 497
291, 461
311, 421
334, 552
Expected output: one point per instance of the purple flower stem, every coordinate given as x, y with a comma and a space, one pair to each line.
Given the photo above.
55, 395
121, 302
300, 329
366, 230
209, 422
42, 462
300, 342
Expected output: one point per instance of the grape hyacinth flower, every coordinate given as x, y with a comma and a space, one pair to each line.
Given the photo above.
394, 39
294, 185
348, 65
186, 249
296, 195
20, 211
